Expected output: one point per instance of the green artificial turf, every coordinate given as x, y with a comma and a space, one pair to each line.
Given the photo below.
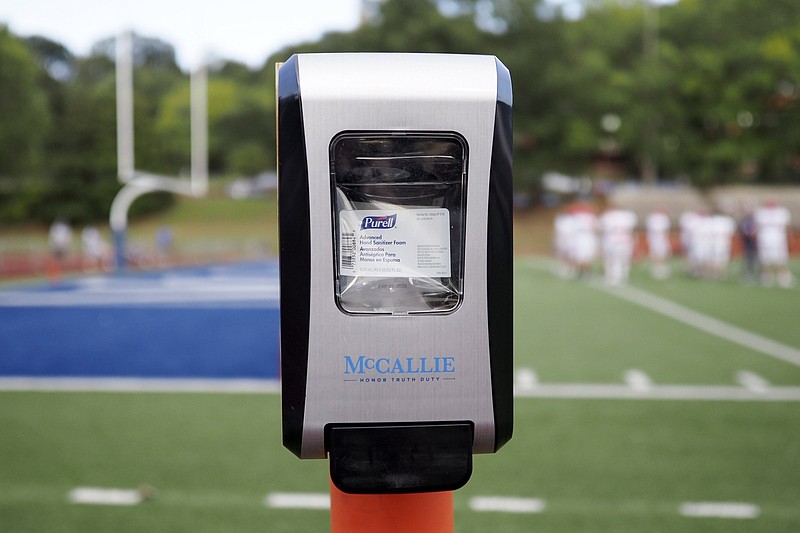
602, 465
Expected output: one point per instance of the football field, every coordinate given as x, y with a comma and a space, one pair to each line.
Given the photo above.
661, 406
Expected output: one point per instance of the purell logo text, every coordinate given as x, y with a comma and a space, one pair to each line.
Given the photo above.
379, 222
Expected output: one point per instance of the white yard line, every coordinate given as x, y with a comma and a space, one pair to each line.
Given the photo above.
145, 296
504, 504
155, 290
497, 504
539, 390
245, 386
720, 510
104, 496
601, 391
704, 322
298, 500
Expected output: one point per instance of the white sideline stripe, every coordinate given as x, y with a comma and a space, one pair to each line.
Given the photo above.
705, 323
526, 379
271, 386
259, 295
168, 289
506, 504
659, 392
638, 380
720, 510
104, 496
297, 500
139, 385
752, 381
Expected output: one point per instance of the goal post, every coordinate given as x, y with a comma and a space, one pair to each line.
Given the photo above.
137, 183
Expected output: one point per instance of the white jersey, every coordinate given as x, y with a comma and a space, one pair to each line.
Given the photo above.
658, 225
60, 237
702, 239
92, 242
584, 242
720, 234
771, 224
688, 223
563, 228
617, 226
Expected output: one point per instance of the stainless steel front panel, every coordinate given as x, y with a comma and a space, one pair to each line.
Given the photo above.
396, 93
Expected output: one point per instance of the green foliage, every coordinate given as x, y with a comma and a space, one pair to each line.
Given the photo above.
707, 92
23, 108
241, 131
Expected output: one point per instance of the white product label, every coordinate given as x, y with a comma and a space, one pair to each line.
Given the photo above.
399, 243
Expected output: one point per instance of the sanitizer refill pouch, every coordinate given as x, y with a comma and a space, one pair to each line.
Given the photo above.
398, 210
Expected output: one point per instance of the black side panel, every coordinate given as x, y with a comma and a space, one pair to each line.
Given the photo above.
295, 253
500, 267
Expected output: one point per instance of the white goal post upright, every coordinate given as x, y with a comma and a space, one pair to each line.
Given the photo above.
137, 183
124, 76
199, 130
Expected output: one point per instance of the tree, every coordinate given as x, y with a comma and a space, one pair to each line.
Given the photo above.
703, 91
24, 123
241, 133
737, 84
23, 108
83, 161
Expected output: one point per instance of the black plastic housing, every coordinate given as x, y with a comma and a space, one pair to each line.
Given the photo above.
400, 458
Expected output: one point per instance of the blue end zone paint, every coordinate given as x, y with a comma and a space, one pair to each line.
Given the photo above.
212, 322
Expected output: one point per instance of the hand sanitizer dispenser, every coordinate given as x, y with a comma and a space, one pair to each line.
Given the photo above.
394, 184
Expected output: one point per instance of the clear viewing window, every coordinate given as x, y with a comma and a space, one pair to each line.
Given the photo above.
398, 218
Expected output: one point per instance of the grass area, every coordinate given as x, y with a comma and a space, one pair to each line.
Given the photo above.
212, 459
626, 466
569, 331
213, 216
217, 217
751, 306
216, 226
205, 230
600, 465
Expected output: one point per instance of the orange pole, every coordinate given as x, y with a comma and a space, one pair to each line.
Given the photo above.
430, 512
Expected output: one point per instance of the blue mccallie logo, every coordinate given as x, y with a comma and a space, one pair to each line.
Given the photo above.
379, 222
361, 365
